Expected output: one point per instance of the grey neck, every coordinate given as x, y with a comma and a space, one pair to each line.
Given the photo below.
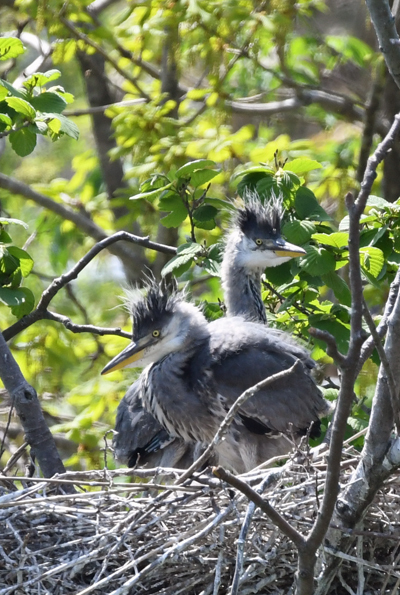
241, 285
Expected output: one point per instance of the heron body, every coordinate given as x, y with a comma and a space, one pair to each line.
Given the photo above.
196, 370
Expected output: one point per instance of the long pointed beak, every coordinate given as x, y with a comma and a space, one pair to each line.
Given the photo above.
128, 356
285, 249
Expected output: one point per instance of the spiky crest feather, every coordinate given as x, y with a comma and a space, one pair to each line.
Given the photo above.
256, 215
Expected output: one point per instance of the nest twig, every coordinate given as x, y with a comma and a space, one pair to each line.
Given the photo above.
199, 538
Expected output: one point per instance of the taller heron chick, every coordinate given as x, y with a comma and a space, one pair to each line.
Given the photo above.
196, 370
254, 243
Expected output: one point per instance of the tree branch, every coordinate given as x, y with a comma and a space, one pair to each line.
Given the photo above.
28, 408
388, 38
41, 310
264, 505
123, 251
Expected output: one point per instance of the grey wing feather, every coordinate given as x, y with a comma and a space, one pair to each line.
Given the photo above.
141, 439
248, 353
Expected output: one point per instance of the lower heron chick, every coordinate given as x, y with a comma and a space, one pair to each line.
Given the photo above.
196, 370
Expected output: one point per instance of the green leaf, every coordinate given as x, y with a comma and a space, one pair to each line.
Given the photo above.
202, 176
307, 206
10, 89
23, 141
8, 220
191, 248
27, 302
10, 47
25, 261
205, 213
302, 165
317, 261
22, 107
49, 102
298, 232
67, 126
170, 202
12, 297
338, 286
250, 181
378, 202
279, 275
337, 240
212, 267
219, 203
39, 79
176, 263
176, 217
189, 168
3, 93
372, 260
344, 224
208, 225
4, 237
151, 195
5, 118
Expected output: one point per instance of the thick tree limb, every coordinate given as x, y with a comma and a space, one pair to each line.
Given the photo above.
41, 311
388, 38
28, 408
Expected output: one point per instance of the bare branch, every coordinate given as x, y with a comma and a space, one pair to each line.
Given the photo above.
381, 329
99, 109
41, 310
388, 38
332, 348
386, 367
372, 164
81, 328
265, 506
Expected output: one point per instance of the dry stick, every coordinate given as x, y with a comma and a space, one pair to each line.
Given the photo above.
28, 408
265, 506
243, 535
41, 311
381, 329
386, 366
230, 417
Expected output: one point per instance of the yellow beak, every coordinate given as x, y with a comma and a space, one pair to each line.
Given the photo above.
129, 355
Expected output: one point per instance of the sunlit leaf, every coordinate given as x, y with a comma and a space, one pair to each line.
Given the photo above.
10, 47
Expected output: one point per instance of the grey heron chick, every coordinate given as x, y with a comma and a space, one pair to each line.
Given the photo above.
254, 243
194, 371
141, 439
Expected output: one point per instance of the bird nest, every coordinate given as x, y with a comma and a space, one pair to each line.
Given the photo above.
203, 537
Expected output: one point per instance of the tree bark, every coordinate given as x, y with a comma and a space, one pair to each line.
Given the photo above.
27, 406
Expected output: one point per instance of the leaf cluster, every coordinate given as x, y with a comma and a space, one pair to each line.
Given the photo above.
34, 110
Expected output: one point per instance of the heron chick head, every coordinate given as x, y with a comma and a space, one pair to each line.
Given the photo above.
162, 324
262, 243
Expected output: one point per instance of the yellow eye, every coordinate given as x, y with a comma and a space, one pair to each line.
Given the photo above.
259, 242
156, 333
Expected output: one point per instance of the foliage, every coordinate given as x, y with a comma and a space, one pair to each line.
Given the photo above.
33, 110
